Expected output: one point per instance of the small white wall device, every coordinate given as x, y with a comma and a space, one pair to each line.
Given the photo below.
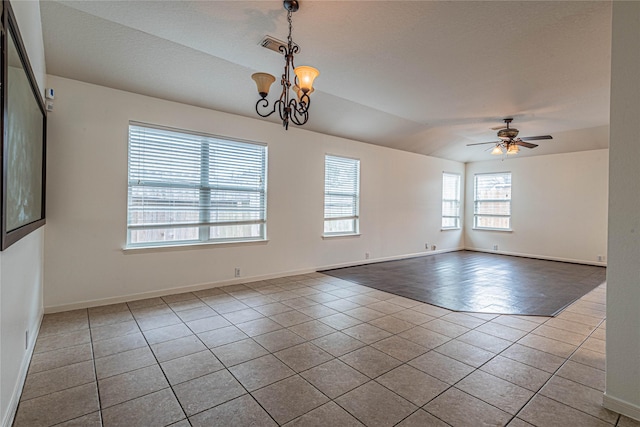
49, 97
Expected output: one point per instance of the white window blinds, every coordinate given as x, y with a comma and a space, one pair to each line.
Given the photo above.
341, 195
450, 200
492, 201
187, 188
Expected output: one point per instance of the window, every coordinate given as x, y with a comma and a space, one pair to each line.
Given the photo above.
188, 188
450, 200
341, 195
492, 201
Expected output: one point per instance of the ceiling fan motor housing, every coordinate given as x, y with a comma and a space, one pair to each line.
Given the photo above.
507, 134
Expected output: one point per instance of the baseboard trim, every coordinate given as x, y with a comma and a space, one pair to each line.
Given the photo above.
234, 281
22, 375
544, 257
171, 291
384, 259
621, 406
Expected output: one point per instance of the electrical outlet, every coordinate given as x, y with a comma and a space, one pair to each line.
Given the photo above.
237, 272
426, 246
601, 258
495, 247
366, 255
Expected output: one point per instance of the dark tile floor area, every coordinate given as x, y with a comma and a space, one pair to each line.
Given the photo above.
480, 282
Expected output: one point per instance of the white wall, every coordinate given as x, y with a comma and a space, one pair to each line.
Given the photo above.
623, 274
21, 266
87, 202
559, 207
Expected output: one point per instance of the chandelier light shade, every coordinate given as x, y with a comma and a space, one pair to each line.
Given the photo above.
512, 149
290, 109
264, 82
306, 75
497, 150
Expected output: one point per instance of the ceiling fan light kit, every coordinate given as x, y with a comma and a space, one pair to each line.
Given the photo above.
508, 148
290, 109
497, 150
513, 149
509, 143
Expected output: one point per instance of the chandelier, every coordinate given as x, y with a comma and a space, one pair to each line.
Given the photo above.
293, 109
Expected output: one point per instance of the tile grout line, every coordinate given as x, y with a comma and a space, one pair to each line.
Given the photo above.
95, 370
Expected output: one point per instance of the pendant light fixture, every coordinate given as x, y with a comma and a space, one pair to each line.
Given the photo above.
295, 108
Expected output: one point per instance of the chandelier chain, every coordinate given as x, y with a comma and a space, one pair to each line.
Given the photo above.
290, 39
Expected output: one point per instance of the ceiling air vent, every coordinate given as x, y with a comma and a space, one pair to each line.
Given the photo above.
274, 44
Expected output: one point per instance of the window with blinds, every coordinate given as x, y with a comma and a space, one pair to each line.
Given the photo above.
450, 200
492, 201
188, 188
341, 195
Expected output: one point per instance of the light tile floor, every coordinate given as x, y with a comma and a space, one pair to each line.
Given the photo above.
313, 350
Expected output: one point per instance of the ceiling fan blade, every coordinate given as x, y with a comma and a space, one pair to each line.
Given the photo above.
482, 143
499, 127
536, 138
525, 144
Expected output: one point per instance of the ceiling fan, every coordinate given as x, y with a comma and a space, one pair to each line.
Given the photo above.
509, 142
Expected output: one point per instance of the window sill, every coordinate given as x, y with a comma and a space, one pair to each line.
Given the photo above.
338, 236
190, 246
506, 230
451, 228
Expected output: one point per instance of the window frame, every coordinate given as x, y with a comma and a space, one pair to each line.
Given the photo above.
355, 217
477, 201
205, 225
456, 201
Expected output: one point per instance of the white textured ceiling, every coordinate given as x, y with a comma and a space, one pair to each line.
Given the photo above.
422, 76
